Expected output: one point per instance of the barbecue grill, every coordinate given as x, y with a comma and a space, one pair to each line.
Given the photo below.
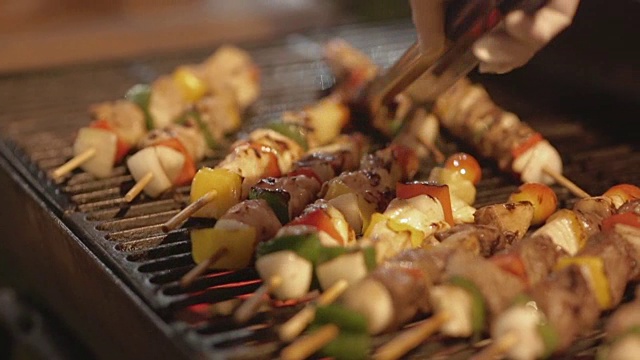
109, 271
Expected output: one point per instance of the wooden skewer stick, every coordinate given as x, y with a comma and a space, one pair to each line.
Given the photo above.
251, 305
199, 269
498, 347
570, 185
185, 213
73, 163
294, 326
138, 187
410, 338
309, 344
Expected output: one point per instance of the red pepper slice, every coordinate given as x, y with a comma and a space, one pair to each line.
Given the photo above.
306, 171
630, 219
189, 167
526, 145
440, 192
512, 263
320, 220
122, 148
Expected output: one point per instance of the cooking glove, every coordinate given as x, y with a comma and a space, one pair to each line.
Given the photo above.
507, 47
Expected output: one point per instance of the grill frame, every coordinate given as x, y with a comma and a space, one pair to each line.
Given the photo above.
131, 274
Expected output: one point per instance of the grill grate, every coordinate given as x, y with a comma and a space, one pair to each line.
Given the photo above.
43, 111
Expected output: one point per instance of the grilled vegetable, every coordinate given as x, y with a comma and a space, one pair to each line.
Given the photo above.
541, 196
353, 342
105, 145
226, 184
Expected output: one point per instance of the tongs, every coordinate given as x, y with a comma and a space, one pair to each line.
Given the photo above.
427, 75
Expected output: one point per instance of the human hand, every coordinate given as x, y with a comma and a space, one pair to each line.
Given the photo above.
507, 47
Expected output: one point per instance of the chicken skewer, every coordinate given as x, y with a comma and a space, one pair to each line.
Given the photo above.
118, 126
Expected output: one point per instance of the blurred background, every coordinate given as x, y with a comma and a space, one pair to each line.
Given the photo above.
599, 50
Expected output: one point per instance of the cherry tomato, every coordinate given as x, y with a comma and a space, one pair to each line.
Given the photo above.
466, 165
625, 191
541, 196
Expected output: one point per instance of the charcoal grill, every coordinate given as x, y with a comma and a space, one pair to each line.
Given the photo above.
107, 268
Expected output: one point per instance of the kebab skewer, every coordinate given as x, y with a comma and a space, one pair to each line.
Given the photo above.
329, 224
554, 312
228, 79
469, 113
412, 285
459, 301
400, 277
317, 124
394, 225
272, 202
345, 205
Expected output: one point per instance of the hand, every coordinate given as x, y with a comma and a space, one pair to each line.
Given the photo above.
509, 46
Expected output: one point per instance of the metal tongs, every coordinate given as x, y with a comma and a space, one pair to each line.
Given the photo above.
427, 75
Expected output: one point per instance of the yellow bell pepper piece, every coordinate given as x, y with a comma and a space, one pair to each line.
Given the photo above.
375, 219
227, 186
192, 87
593, 269
239, 243
416, 235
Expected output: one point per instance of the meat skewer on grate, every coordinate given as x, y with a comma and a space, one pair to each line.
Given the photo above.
206, 98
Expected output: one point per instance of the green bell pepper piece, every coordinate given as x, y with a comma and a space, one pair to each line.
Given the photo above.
278, 201
140, 94
478, 307
294, 132
305, 245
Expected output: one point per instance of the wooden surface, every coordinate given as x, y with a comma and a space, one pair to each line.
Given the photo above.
38, 34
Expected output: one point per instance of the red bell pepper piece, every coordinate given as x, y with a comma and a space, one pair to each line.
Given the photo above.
189, 167
320, 220
122, 148
440, 192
